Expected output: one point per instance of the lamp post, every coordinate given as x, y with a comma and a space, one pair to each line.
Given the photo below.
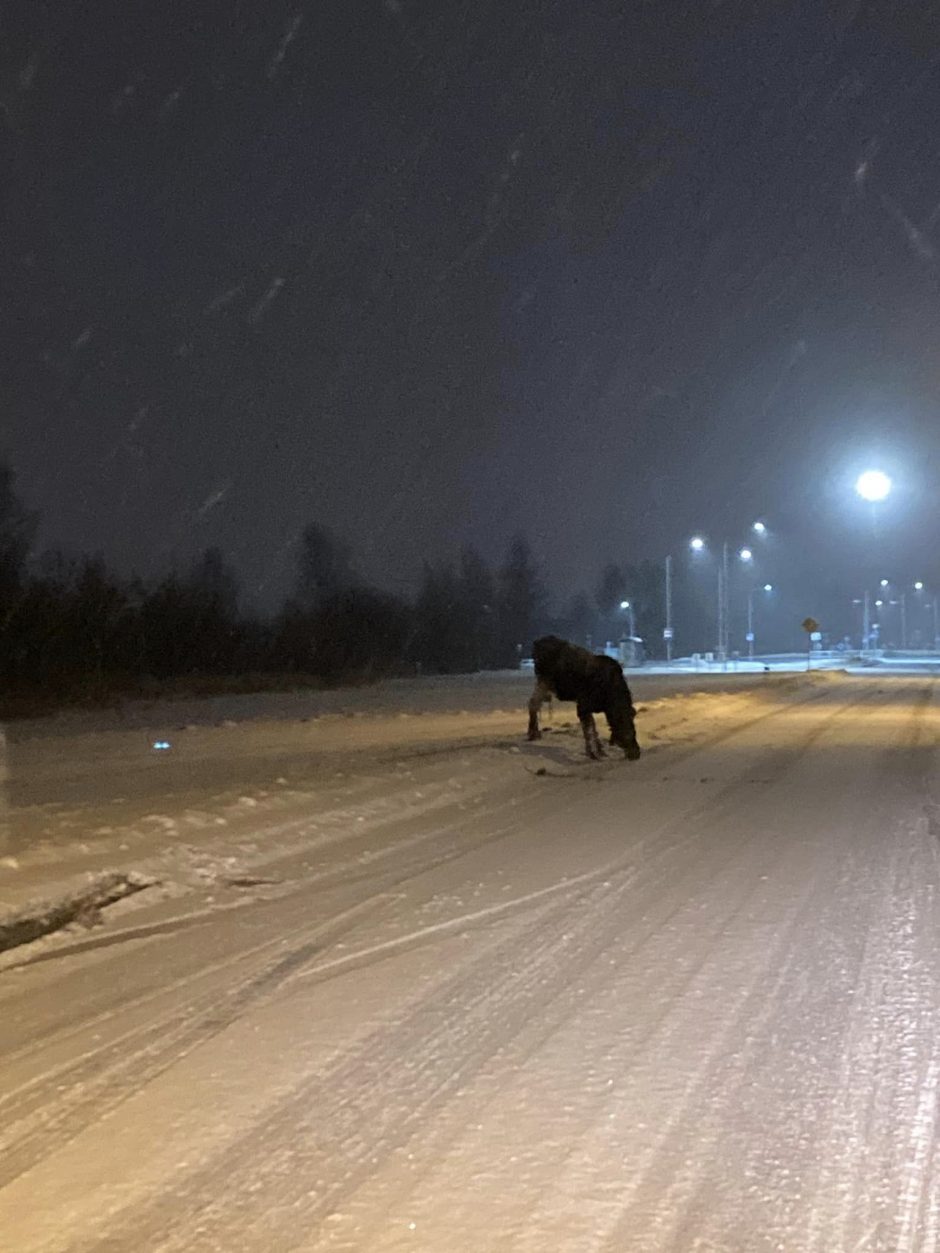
723, 580
931, 606
628, 605
697, 545
919, 599
900, 601
767, 588
750, 623
746, 556
873, 486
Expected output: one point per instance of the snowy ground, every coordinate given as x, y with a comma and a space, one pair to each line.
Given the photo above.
80, 790
404, 982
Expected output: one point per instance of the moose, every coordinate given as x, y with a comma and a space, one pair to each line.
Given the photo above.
595, 682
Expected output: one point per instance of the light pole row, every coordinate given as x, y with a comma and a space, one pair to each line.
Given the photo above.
745, 555
873, 486
885, 600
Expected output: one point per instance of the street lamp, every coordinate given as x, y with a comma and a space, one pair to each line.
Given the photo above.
746, 555
768, 587
873, 485
697, 545
928, 604
759, 528
626, 604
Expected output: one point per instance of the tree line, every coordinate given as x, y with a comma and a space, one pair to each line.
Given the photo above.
73, 629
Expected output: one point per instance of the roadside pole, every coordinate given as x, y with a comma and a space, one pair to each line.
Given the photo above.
811, 627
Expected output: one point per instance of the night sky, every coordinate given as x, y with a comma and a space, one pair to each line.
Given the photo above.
430, 272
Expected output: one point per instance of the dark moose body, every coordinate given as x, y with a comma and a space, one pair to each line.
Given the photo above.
594, 682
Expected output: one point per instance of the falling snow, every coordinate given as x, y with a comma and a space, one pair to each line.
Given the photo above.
263, 305
224, 298
479, 239
214, 498
274, 64
171, 102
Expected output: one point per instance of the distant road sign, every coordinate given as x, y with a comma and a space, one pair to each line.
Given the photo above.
667, 633
749, 638
810, 625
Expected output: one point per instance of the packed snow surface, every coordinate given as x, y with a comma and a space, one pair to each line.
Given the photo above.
403, 981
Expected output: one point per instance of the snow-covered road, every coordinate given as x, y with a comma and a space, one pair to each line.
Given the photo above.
449, 991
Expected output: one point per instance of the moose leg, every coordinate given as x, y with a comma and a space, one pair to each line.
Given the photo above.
541, 694
592, 743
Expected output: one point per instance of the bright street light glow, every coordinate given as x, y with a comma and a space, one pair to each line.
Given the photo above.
745, 554
873, 485
768, 587
884, 582
759, 528
624, 604
918, 586
879, 603
696, 543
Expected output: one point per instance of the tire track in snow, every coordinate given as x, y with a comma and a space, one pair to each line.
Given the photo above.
452, 1052
89, 1087
869, 1052
348, 871
726, 798
895, 998
674, 980
164, 1053
508, 1055
722, 1067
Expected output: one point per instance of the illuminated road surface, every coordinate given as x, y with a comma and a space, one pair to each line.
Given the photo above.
688, 1004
